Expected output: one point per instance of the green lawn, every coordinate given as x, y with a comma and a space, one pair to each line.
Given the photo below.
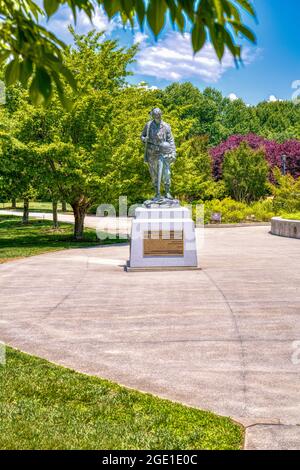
34, 206
44, 406
292, 216
18, 240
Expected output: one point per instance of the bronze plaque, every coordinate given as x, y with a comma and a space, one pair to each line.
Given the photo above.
160, 243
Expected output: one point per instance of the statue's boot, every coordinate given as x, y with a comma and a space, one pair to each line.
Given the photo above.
157, 197
167, 190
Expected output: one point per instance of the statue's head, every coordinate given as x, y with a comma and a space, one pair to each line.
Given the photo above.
156, 114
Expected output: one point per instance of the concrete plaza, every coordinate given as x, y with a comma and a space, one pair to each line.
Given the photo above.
222, 339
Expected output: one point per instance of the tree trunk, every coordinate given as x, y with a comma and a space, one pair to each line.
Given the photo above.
54, 212
13, 204
79, 210
64, 206
25, 218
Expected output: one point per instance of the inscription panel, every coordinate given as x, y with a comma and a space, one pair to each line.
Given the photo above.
163, 243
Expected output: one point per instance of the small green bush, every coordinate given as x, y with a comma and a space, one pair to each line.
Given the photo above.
214, 190
237, 212
230, 210
286, 193
263, 210
245, 173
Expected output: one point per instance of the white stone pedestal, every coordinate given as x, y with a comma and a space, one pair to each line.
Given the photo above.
163, 238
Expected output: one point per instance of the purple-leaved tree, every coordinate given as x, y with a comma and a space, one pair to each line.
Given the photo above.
273, 151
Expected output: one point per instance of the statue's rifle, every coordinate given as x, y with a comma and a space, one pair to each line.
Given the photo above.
147, 138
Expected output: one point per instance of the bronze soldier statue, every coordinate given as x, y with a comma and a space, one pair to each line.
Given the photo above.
160, 153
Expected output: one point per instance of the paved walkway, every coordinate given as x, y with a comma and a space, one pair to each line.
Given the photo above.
220, 339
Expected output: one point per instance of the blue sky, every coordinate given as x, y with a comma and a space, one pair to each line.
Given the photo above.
270, 67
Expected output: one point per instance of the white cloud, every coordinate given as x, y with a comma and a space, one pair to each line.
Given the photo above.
59, 23
172, 58
100, 22
140, 38
147, 87
63, 18
272, 99
233, 97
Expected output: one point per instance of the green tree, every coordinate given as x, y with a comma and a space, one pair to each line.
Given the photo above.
216, 96
213, 113
292, 132
6, 189
245, 173
19, 177
192, 170
35, 54
124, 172
35, 126
278, 120
72, 148
239, 118
190, 103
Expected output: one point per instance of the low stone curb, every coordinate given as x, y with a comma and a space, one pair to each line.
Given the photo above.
252, 224
285, 227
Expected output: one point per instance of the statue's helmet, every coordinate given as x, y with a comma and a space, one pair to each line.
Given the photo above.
156, 113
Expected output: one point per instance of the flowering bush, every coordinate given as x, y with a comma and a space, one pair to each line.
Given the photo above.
273, 152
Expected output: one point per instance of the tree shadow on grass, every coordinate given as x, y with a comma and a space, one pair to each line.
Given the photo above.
38, 236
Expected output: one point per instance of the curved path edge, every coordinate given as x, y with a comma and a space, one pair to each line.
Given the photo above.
221, 339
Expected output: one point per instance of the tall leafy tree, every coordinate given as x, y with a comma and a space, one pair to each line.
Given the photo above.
190, 103
19, 177
239, 118
35, 55
71, 147
193, 169
276, 118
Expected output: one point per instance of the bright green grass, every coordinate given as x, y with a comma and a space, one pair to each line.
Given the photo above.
18, 240
44, 406
293, 216
34, 206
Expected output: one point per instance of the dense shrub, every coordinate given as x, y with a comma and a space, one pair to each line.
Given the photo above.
231, 211
236, 212
285, 203
273, 153
262, 211
245, 173
286, 193
214, 190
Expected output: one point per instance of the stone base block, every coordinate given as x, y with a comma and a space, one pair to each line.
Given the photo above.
163, 238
